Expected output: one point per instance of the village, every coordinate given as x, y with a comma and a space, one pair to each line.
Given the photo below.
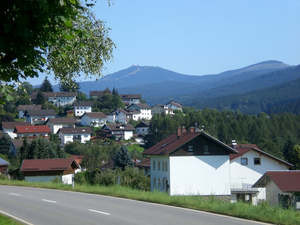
188, 162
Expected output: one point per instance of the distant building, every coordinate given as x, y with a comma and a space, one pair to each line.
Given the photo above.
82, 107
129, 99
97, 94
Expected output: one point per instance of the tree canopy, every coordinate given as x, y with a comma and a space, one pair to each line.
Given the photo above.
46, 86
62, 37
123, 159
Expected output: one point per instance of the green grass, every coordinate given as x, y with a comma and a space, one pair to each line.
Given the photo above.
4, 220
262, 212
137, 147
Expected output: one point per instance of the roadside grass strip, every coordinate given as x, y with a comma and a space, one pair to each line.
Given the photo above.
263, 212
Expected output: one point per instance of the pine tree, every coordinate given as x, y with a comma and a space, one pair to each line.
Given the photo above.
40, 98
46, 86
23, 151
5, 144
123, 159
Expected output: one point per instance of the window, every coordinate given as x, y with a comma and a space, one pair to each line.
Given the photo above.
191, 148
163, 183
256, 161
158, 166
206, 149
244, 161
166, 166
163, 166
154, 183
154, 164
158, 184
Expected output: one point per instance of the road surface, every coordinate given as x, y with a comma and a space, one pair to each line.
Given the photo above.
43, 206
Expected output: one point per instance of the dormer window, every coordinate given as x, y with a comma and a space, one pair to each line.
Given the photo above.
191, 148
206, 149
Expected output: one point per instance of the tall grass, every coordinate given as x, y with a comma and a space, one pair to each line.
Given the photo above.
4, 220
262, 212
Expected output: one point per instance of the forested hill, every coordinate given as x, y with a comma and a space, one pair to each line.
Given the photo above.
253, 102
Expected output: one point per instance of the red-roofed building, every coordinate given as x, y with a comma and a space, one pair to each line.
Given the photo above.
191, 163
144, 165
45, 170
32, 131
247, 167
78, 159
282, 187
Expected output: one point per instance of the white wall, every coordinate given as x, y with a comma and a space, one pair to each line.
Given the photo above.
199, 175
80, 110
142, 130
243, 176
10, 132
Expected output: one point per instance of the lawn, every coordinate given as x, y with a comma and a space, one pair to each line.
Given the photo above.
135, 146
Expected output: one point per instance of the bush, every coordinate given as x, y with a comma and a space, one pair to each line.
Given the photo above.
3, 177
79, 178
133, 178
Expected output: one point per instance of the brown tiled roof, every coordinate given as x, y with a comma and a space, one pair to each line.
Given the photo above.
288, 181
83, 103
244, 148
29, 107
77, 130
141, 106
43, 112
116, 127
12, 125
99, 93
173, 142
129, 111
53, 94
144, 163
62, 120
19, 142
94, 115
48, 164
130, 96
32, 129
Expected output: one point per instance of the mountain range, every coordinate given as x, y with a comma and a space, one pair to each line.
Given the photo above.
158, 85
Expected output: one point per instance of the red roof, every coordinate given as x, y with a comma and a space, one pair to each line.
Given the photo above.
288, 181
32, 129
78, 158
173, 142
244, 148
48, 164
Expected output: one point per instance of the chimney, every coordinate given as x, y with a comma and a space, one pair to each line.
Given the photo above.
233, 143
178, 131
192, 129
183, 129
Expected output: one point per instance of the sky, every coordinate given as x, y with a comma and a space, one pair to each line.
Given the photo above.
199, 37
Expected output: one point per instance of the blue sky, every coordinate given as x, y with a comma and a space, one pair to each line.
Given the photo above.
196, 37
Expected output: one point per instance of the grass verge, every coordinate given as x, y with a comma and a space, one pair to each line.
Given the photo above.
262, 212
4, 220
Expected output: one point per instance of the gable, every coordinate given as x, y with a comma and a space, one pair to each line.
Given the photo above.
198, 145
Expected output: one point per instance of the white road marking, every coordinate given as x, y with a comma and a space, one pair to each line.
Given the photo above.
92, 210
45, 200
14, 194
16, 218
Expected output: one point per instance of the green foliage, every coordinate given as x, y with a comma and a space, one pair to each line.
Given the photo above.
108, 102
294, 157
71, 86
81, 97
123, 159
40, 98
75, 148
46, 86
79, 178
135, 179
5, 144
50, 105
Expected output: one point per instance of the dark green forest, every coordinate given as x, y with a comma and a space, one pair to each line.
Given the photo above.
277, 134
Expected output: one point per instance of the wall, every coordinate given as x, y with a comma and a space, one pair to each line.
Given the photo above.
272, 193
199, 175
159, 175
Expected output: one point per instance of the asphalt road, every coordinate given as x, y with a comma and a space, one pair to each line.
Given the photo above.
43, 206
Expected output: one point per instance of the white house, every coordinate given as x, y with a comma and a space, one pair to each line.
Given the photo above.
56, 123
9, 127
39, 116
121, 131
160, 108
23, 108
142, 127
144, 109
32, 131
94, 119
247, 167
174, 105
57, 98
67, 134
131, 98
191, 163
82, 107
123, 115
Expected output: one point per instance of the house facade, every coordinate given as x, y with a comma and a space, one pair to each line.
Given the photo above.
3, 166
94, 119
191, 163
123, 115
56, 123
160, 108
9, 127
45, 170
142, 127
39, 116
121, 131
57, 98
17, 143
247, 167
32, 131
67, 134
174, 105
129, 99
23, 108
282, 187
144, 109
81, 108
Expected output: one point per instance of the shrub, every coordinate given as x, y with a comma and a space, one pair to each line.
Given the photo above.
3, 177
79, 178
